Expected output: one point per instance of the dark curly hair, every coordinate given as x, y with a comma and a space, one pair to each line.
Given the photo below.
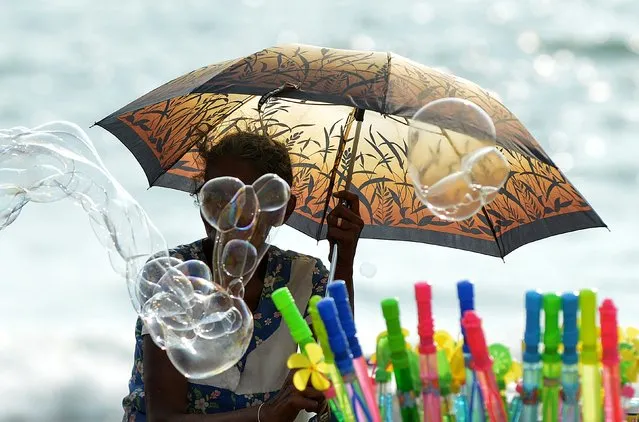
268, 155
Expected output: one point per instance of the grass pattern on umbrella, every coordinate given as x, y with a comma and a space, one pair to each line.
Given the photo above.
163, 127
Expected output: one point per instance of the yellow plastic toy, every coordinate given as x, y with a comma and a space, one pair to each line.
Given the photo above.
309, 366
454, 354
515, 374
629, 353
373, 358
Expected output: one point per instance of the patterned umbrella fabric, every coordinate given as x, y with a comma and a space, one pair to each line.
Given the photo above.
308, 98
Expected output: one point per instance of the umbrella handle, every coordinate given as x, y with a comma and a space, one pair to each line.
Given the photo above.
331, 274
359, 118
284, 89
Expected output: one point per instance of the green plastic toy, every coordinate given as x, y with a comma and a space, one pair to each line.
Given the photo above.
300, 331
319, 329
502, 362
551, 358
400, 360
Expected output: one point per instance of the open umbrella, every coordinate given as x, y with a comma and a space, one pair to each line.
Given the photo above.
344, 117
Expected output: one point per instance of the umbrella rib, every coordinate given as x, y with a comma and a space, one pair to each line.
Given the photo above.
240, 104
387, 87
492, 229
338, 158
450, 141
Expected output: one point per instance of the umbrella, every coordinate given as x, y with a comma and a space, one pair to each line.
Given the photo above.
344, 117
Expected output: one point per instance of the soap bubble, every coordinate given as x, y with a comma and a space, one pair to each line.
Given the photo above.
368, 269
196, 315
238, 258
219, 202
169, 311
145, 286
243, 225
194, 268
194, 359
453, 161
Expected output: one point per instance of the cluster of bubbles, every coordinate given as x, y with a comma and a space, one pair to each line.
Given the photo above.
453, 161
197, 315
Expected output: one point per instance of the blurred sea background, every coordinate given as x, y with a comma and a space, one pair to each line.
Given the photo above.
568, 69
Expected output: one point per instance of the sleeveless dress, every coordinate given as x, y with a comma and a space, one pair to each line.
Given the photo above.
262, 370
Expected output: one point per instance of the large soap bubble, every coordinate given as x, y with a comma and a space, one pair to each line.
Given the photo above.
243, 225
453, 161
197, 315
195, 358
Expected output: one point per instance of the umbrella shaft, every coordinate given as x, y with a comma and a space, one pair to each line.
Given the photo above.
359, 117
331, 274
351, 164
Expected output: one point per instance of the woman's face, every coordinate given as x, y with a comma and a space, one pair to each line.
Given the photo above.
241, 169
229, 167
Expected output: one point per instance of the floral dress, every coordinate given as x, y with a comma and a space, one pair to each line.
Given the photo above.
207, 398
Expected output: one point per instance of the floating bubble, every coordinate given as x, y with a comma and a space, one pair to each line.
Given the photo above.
194, 268
217, 324
177, 285
155, 329
203, 286
236, 287
227, 204
194, 360
453, 198
169, 312
273, 194
241, 247
487, 169
196, 315
238, 258
217, 198
453, 161
368, 269
147, 282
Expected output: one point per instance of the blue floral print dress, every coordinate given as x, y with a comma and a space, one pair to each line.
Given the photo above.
209, 399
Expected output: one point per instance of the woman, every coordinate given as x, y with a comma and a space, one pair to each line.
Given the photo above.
258, 387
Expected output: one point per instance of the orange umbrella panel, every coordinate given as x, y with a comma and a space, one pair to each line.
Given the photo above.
318, 91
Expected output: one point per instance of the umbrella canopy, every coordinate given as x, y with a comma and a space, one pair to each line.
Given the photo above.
309, 97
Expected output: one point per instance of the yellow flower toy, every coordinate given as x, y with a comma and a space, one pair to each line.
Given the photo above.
455, 356
311, 366
515, 374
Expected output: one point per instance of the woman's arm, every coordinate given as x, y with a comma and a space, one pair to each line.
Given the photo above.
166, 395
344, 227
165, 392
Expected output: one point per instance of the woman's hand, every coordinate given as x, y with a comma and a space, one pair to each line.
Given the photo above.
290, 401
344, 227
